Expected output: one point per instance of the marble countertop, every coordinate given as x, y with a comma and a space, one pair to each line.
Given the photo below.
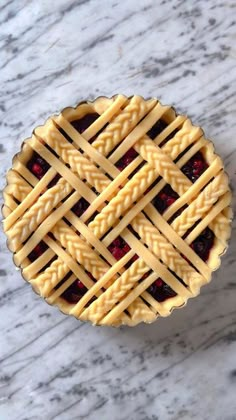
52, 366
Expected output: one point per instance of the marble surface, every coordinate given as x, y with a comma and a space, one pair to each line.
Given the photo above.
54, 367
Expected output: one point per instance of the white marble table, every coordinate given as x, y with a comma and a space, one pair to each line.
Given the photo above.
182, 367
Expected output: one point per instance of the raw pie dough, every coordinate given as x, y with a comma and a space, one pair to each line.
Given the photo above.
120, 205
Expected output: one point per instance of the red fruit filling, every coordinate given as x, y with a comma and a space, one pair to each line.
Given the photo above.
128, 157
195, 167
74, 292
160, 290
164, 198
80, 207
38, 166
37, 251
203, 244
119, 248
83, 123
157, 129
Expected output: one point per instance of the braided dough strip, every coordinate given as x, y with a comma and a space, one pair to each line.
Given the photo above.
89, 149
199, 207
158, 164
26, 192
102, 283
164, 308
139, 131
140, 312
164, 165
163, 249
46, 281
187, 125
54, 273
28, 200
79, 250
182, 139
70, 155
17, 186
37, 213
145, 200
195, 189
189, 132
121, 125
54, 145
203, 180
222, 204
73, 266
123, 200
115, 292
107, 108
45, 227
76, 183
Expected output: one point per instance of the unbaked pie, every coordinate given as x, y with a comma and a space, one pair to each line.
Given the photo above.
117, 210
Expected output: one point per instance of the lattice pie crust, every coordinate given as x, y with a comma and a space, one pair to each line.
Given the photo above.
120, 204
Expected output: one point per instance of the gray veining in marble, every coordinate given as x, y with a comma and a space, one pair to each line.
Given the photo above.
182, 367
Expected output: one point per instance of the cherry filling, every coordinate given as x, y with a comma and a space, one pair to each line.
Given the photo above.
160, 290
203, 244
164, 198
119, 248
157, 129
37, 251
80, 207
37, 165
193, 169
83, 123
128, 157
74, 292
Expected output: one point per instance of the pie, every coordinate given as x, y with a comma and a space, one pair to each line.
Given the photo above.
117, 211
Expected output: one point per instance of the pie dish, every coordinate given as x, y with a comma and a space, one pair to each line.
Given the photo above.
118, 210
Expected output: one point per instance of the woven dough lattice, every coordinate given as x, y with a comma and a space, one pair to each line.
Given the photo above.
83, 167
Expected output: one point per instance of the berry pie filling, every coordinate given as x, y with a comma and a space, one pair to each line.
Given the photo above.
193, 169
37, 251
118, 248
80, 207
156, 129
128, 157
164, 198
83, 123
74, 292
37, 165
